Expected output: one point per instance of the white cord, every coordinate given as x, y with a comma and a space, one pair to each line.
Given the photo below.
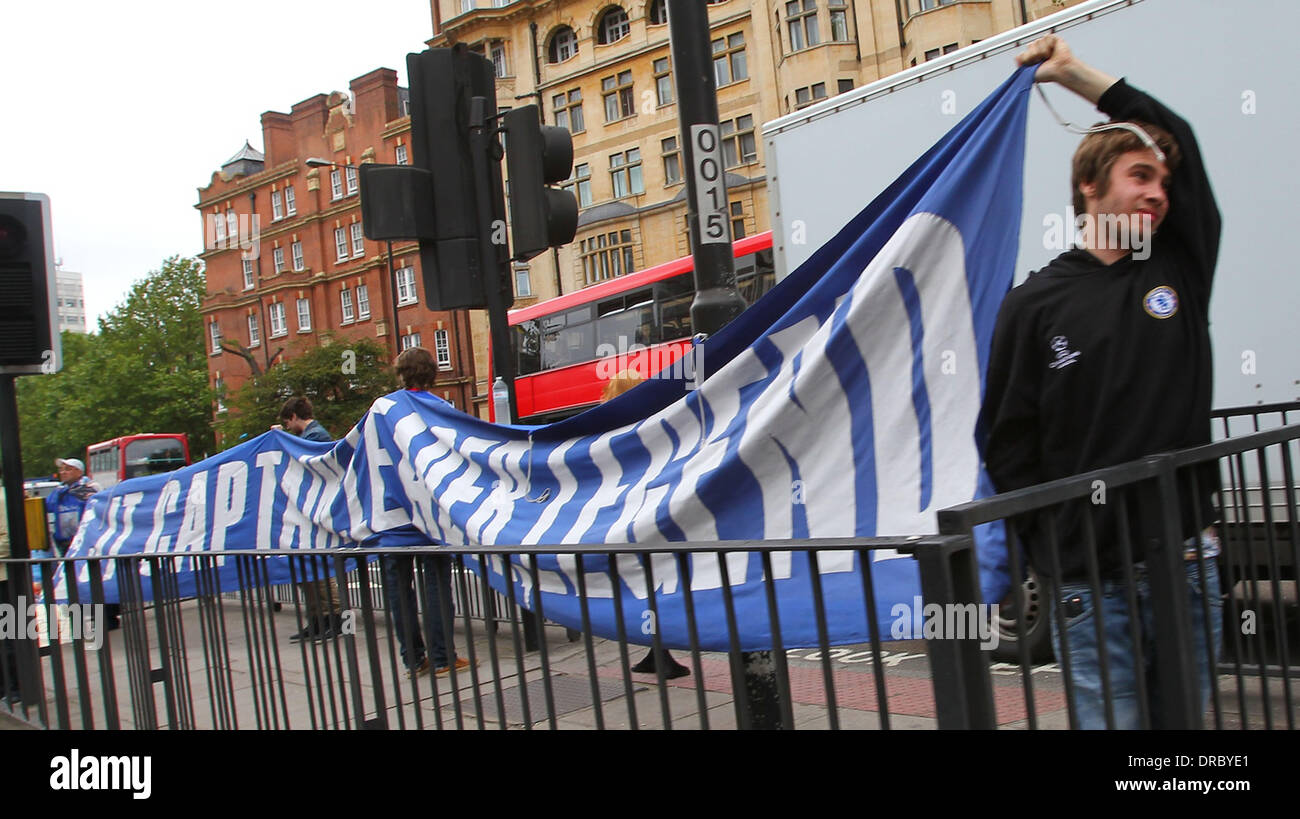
1110, 126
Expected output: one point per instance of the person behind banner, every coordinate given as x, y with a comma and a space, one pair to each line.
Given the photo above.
616, 386
1103, 357
418, 371
64, 508
324, 605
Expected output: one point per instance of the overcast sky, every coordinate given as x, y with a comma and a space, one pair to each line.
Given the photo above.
121, 111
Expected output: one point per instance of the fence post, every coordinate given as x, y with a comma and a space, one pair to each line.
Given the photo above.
963, 687
1177, 698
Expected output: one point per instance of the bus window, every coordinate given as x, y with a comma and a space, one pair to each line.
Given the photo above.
569, 345
673, 297
755, 275
152, 456
527, 338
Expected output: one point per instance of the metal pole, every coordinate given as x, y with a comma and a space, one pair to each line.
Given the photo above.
20, 579
392, 299
717, 301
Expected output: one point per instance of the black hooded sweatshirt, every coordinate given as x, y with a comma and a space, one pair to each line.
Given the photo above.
1094, 365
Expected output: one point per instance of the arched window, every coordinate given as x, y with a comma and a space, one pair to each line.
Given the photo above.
564, 44
613, 26
658, 12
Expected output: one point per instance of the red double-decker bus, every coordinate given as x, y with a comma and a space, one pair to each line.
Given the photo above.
567, 347
130, 456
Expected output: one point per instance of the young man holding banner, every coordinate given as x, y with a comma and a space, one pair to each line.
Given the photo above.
1103, 357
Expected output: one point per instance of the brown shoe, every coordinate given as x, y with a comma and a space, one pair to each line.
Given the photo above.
422, 668
461, 664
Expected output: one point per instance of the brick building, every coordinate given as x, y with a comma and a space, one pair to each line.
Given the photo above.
301, 274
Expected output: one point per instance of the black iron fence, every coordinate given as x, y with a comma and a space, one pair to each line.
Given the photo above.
231, 660
347, 654
1194, 602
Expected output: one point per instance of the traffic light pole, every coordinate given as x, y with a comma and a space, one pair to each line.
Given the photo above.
19, 583
490, 205
717, 301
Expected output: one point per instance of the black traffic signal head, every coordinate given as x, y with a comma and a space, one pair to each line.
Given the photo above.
29, 327
538, 156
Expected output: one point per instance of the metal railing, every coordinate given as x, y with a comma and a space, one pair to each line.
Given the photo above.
223, 660
1140, 510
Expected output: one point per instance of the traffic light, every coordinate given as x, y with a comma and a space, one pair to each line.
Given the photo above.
436, 198
538, 156
29, 324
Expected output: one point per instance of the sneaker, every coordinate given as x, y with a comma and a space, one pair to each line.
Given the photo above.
422, 668
461, 664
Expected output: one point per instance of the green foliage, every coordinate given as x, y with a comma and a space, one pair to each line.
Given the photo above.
145, 371
342, 381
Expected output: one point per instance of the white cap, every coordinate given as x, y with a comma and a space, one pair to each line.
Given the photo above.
75, 463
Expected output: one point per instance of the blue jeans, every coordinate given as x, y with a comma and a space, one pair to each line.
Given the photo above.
1085, 668
399, 590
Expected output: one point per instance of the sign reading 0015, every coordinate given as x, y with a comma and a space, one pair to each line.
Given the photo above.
710, 187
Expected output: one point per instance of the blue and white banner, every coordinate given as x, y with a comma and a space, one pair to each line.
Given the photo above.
841, 404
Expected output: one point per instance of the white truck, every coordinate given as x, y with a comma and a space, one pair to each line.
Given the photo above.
1225, 67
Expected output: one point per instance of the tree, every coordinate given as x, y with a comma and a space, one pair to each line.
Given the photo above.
342, 381
145, 371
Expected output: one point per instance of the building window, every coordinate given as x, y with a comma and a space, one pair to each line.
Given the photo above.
738, 144
839, 21
803, 97
218, 228
219, 387
358, 240
277, 206
401, 155
345, 301
801, 22
304, 316
950, 48
580, 184
248, 274
672, 161
523, 282
214, 331
729, 59
844, 86
618, 96
290, 203
340, 244
466, 6
278, 255
568, 111
497, 54
363, 302
607, 255
336, 184
352, 180
405, 285
279, 326
613, 26
658, 13
442, 349
564, 44
737, 221
410, 340
625, 173
298, 263
232, 225
254, 335
663, 81
931, 54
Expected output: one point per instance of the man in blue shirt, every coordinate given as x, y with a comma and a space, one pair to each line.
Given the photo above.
67, 502
324, 606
